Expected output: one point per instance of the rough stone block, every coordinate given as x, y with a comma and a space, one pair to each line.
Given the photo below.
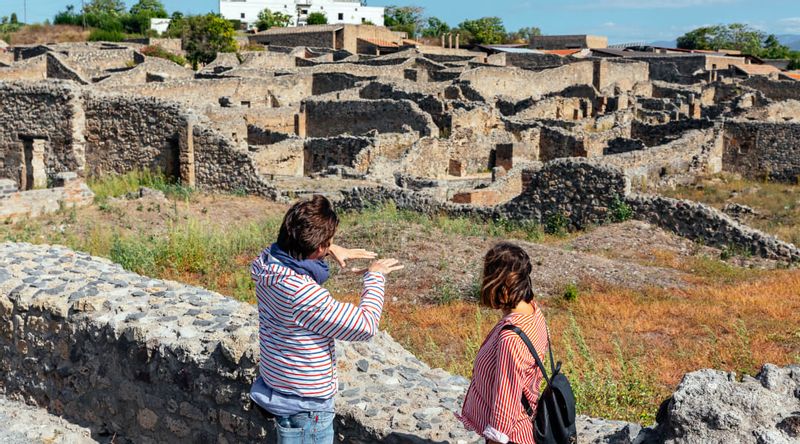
478, 197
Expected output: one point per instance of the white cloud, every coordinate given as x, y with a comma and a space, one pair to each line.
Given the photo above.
791, 25
651, 4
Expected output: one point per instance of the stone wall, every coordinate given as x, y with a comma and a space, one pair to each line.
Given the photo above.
763, 150
269, 92
579, 191
30, 69
697, 152
125, 133
556, 143
357, 117
518, 84
533, 61
220, 165
149, 361
655, 135
46, 111
349, 151
702, 223
775, 89
621, 74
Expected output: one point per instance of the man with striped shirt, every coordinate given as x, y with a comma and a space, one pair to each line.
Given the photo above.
299, 321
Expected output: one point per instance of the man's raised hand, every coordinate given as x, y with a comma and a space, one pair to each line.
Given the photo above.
385, 266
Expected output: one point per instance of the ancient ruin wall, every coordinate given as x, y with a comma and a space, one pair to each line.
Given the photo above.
41, 110
763, 150
349, 151
126, 133
357, 117
518, 84
775, 89
705, 224
148, 361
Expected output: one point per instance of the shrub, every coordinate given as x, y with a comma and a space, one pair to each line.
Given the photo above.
571, 292
161, 53
620, 210
100, 35
556, 224
317, 18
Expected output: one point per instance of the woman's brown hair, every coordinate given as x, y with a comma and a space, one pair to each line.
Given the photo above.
307, 226
506, 277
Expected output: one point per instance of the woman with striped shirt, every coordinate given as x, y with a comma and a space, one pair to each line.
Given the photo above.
504, 368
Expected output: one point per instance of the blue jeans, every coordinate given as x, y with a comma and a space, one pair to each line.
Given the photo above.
305, 428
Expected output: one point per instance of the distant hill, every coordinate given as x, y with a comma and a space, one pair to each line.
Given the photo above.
790, 40
666, 43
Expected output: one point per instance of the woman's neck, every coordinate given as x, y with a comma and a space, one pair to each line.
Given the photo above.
523, 307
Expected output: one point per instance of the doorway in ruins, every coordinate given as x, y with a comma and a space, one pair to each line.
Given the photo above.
32, 169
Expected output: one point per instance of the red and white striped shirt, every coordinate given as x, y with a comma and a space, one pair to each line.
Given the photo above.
298, 322
504, 370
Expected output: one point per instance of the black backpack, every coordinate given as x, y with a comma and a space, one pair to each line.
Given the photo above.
555, 412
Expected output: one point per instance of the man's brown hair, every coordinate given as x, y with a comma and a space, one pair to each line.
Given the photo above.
307, 226
506, 277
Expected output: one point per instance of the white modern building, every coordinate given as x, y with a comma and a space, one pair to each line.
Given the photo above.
338, 11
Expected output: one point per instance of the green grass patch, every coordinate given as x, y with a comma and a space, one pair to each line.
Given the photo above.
119, 185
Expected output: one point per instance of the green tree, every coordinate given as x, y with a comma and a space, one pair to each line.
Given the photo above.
795, 63
774, 50
14, 20
406, 19
435, 27
151, 8
138, 21
486, 30
735, 36
105, 7
268, 19
523, 35
317, 18
204, 36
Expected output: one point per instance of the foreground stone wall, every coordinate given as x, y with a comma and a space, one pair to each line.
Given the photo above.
156, 361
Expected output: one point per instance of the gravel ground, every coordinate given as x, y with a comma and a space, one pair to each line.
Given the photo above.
23, 424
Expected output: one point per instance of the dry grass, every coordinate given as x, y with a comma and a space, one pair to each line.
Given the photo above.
39, 34
625, 350
778, 204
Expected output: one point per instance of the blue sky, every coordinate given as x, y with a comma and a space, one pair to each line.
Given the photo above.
620, 20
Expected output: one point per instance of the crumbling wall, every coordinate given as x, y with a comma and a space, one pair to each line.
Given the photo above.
45, 111
357, 117
125, 133
520, 84
269, 92
704, 224
30, 69
763, 150
21, 205
220, 165
623, 74
349, 151
655, 135
697, 152
530, 61
775, 89
556, 143
571, 192
326, 82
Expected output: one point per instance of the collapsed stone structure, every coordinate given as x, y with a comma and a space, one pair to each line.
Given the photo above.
444, 128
